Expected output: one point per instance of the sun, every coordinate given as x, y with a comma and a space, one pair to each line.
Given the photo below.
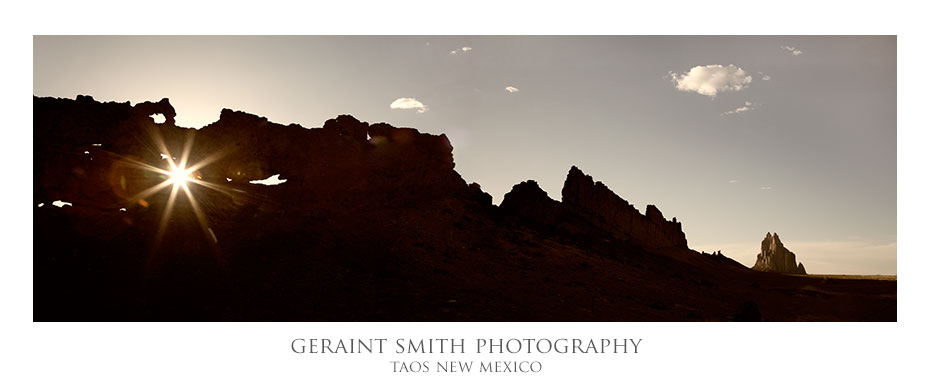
179, 176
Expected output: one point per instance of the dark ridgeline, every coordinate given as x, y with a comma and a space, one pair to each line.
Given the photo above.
373, 224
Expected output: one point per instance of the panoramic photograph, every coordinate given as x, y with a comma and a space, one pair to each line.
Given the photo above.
464, 178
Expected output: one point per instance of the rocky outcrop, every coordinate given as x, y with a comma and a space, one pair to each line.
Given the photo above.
344, 165
527, 200
373, 224
774, 257
618, 216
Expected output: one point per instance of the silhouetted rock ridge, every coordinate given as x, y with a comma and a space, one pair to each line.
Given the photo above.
618, 216
373, 224
346, 164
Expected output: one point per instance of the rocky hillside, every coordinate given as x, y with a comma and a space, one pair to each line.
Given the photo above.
372, 223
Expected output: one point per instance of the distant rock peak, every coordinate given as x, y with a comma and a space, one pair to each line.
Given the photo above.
774, 257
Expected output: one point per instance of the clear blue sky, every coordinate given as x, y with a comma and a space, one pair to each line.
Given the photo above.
735, 136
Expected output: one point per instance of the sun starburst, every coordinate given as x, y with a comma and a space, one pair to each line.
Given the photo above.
177, 176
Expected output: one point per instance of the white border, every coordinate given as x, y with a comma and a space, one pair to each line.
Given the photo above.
259, 353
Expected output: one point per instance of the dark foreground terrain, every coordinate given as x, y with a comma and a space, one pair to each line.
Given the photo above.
373, 224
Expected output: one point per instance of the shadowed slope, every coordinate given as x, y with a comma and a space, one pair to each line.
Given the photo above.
372, 224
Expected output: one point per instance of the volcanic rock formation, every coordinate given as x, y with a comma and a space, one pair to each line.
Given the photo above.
774, 257
619, 216
373, 224
586, 201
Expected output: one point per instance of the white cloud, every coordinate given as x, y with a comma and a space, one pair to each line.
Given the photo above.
764, 77
60, 203
711, 79
765, 187
792, 50
511, 89
748, 106
408, 104
270, 181
464, 49
733, 181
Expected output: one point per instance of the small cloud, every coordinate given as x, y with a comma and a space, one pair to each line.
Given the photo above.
711, 79
270, 181
463, 49
408, 104
41, 204
765, 187
60, 203
511, 89
733, 181
764, 77
792, 50
748, 106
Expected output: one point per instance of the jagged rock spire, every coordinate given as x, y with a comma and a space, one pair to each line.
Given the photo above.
581, 192
774, 257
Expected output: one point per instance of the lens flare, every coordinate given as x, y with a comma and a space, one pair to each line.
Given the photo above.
178, 177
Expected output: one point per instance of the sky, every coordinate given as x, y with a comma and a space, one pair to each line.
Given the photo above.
735, 136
